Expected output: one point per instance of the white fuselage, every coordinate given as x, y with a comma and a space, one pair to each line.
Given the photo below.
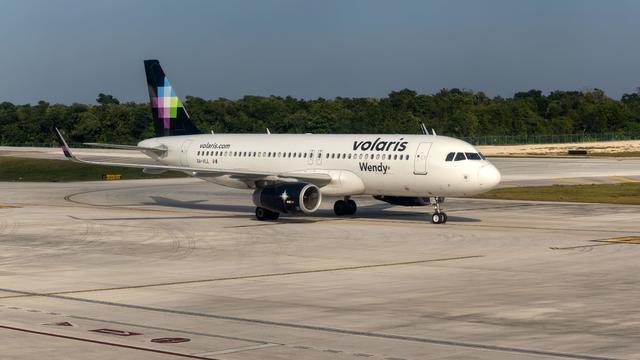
392, 165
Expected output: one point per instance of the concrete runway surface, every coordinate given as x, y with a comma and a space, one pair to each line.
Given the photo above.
179, 268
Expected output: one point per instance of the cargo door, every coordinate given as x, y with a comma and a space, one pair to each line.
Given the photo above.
184, 153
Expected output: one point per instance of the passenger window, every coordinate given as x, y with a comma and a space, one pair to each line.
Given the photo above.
406, 157
378, 157
349, 157
279, 153
383, 156
344, 156
460, 156
473, 156
360, 156
450, 156
366, 156
254, 154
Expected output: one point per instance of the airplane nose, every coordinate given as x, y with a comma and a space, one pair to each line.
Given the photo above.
488, 176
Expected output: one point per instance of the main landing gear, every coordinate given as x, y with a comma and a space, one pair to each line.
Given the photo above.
438, 216
265, 214
345, 207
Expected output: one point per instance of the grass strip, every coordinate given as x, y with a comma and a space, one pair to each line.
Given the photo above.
26, 169
623, 193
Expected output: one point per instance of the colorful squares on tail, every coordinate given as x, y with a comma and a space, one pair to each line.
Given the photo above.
167, 103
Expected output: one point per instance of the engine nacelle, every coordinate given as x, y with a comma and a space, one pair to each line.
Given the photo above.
288, 197
404, 200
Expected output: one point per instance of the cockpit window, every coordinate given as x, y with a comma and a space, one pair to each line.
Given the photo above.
450, 156
473, 156
482, 156
460, 157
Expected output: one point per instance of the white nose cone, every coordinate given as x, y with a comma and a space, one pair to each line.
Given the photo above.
488, 176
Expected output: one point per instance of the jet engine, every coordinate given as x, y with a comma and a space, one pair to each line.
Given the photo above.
404, 200
288, 197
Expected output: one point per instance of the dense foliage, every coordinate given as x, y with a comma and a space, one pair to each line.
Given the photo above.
452, 112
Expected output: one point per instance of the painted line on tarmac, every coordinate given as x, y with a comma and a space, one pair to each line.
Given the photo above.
624, 179
435, 341
255, 276
577, 247
628, 240
452, 223
163, 352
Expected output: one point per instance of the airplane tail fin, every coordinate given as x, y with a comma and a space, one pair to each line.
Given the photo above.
169, 115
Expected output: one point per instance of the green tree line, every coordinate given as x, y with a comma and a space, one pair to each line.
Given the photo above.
453, 112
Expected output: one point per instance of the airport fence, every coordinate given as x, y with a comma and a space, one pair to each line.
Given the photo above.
548, 139
475, 140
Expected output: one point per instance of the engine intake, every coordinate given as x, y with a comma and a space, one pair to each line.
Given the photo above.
288, 197
404, 200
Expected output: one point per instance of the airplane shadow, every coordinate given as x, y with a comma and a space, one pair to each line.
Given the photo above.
370, 212
365, 212
198, 205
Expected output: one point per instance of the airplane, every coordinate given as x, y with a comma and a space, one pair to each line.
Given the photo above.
290, 173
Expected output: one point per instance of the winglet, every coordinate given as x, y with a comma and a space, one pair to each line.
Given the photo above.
63, 145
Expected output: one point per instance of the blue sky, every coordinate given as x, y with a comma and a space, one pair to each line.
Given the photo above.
69, 51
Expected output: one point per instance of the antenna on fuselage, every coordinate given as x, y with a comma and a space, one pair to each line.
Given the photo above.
425, 131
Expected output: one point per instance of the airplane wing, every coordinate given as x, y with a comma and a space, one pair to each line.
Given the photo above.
128, 147
318, 179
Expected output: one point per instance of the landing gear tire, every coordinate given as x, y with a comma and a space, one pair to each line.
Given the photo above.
351, 207
345, 207
340, 207
263, 214
439, 218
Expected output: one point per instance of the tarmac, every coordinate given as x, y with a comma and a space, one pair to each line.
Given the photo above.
179, 268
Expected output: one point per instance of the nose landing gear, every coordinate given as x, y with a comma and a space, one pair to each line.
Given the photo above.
438, 216
345, 207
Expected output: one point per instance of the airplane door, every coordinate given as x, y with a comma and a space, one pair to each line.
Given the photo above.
184, 153
311, 157
319, 158
420, 159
